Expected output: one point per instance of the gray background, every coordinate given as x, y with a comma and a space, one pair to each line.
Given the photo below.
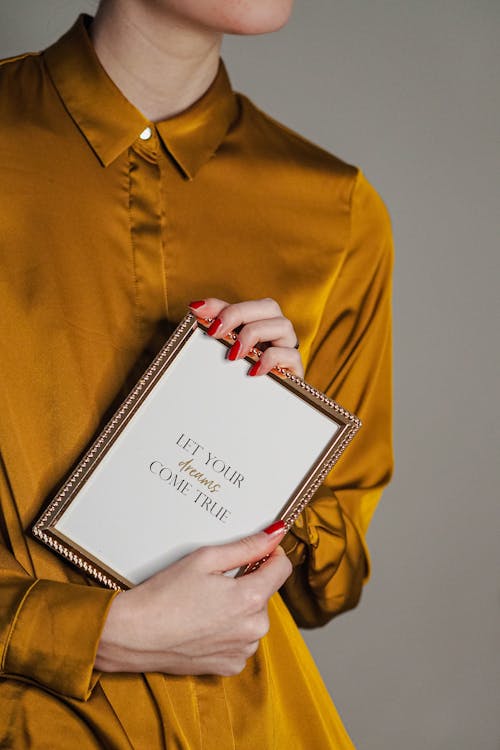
409, 91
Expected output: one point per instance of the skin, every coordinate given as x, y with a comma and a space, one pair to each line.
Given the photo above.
190, 618
263, 323
164, 54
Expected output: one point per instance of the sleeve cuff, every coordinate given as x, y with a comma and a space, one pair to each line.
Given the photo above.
55, 634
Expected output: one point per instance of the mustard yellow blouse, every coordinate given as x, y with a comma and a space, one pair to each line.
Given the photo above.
109, 225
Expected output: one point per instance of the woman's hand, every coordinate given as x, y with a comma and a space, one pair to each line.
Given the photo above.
262, 323
190, 619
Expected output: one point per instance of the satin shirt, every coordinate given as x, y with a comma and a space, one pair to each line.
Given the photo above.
107, 231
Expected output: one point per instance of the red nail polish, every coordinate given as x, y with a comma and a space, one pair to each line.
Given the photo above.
214, 327
254, 369
275, 527
234, 350
198, 303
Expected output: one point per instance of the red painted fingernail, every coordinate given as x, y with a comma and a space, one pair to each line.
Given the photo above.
254, 369
214, 327
234, 350
275, 527
196, 304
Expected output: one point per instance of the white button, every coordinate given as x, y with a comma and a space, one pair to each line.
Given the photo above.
146, 134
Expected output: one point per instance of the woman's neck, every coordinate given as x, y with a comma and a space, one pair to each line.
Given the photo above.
159, 62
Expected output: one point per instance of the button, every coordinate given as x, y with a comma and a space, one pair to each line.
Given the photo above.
146, 134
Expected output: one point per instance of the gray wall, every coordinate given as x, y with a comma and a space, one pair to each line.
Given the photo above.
409, 91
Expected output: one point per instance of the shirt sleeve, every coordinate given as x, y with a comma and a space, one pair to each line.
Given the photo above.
49, 630
351, 362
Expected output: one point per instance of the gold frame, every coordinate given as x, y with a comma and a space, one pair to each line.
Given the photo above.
44, 530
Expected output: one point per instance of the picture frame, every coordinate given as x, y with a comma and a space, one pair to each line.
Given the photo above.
198, 453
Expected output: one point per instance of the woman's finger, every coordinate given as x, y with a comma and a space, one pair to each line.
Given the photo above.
277, 356
209, 307
228, 317
276, 331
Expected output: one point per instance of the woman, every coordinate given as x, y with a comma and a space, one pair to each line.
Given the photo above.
136, 180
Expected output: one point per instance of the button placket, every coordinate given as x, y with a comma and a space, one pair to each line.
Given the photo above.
146, 236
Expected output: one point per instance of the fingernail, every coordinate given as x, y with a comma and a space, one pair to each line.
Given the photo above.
234, 350
254, 369
214, 327
196, 304
274, 528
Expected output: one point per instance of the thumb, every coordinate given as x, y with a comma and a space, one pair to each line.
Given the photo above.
225, 557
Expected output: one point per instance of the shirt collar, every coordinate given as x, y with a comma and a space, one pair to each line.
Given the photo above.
111, 124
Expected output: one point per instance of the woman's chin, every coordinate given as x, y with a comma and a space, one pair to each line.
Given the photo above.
246, 17
260, 21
